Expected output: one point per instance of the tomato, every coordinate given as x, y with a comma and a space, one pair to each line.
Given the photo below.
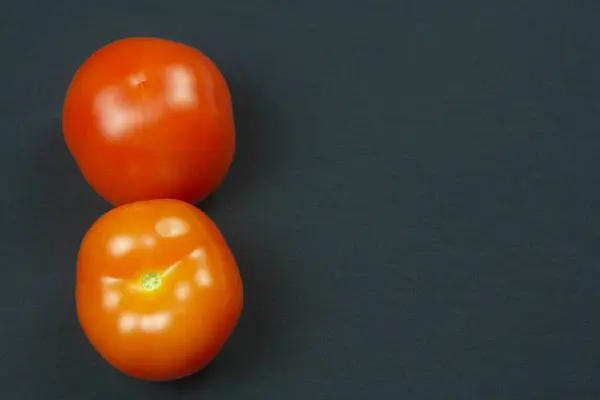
148, 118
158, 291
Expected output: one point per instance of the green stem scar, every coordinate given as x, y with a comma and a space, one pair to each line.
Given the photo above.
151, 281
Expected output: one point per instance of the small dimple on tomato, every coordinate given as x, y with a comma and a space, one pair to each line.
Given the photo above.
158, 291
149, 118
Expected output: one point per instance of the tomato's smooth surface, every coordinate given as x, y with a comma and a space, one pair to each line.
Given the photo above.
150, 118
158, 291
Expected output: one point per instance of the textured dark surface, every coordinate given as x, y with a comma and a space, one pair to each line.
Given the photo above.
413, 204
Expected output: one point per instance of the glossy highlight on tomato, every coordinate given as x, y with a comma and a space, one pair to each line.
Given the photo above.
158, 291
148, 118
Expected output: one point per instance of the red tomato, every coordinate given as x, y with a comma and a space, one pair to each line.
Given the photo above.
158, 291
149, 118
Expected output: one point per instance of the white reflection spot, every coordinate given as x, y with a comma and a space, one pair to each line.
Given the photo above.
180, 87
117, 117
197, 254
111, 299
171, 227
203, 277
128, 322
155, 322
147, 240
182, 291
109, 280
120, 245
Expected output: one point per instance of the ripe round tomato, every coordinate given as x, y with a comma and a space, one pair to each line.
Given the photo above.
158, 291
148, 118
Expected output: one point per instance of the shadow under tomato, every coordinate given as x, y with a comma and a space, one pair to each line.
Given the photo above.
260, 325
257, 141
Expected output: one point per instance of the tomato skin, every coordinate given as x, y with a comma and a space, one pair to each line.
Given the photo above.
148, 118
158, 291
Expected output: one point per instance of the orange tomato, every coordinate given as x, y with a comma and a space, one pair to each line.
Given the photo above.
158, 291
148, 118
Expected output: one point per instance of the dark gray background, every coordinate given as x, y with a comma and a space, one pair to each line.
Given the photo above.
413, 204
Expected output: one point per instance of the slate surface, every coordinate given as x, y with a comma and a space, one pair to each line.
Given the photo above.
413, 204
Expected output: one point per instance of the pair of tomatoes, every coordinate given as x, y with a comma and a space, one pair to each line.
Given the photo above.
150, 124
